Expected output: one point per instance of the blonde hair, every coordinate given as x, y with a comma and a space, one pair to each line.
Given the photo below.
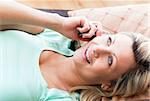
134, 82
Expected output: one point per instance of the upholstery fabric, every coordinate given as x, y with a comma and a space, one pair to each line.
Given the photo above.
130, 18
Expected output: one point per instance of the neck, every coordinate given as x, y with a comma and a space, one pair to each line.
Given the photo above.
62, 74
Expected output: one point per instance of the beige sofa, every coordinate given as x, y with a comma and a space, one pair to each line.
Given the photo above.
131, 18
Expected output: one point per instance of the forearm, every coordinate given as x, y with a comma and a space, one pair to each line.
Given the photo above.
22, 27
12, 12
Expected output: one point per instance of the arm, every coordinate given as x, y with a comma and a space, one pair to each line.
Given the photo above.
22, 27
12, 12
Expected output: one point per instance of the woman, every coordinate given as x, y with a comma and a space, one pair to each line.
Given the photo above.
43, 68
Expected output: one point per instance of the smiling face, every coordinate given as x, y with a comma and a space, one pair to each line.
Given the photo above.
105, 58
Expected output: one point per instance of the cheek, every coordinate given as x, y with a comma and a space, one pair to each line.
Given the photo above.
101, 71
100, 66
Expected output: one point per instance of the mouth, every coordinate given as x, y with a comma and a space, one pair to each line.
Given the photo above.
87, 55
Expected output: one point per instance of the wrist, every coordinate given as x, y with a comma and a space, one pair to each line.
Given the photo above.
56, 22
61, 21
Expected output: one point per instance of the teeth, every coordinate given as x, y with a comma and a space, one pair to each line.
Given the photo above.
87, 56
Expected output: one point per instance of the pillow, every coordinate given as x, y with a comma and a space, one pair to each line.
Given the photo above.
130, 18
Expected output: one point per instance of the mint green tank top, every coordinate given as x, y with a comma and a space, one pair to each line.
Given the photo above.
20, 76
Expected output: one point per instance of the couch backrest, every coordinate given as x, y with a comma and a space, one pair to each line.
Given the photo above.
131, 18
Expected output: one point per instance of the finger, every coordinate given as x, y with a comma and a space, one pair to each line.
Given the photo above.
84, 25
98, 25
91, 33
83, 29
99, 29
87, 35
81, 32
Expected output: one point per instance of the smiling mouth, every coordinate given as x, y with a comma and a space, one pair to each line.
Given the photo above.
87, 56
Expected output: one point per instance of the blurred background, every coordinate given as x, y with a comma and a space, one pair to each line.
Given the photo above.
78, 4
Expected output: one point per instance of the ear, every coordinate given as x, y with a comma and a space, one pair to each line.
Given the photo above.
107, 86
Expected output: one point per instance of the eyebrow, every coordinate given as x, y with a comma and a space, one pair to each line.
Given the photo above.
115, 58
114, 39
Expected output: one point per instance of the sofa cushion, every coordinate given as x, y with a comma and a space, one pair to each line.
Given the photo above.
130, 18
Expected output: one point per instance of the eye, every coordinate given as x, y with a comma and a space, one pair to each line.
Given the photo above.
110, 60
109, 41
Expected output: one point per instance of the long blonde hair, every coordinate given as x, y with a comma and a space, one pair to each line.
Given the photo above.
134, 82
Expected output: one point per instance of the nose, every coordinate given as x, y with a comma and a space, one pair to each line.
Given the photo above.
99, 50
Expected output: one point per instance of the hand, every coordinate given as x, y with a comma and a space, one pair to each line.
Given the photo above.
72, 26
95, 30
